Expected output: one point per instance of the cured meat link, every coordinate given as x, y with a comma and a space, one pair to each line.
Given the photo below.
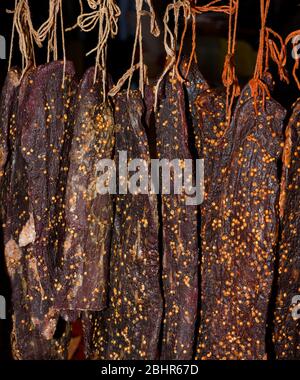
82, 283
286, 336
45, 142
239, 266
179, 223
130, 327
27, 341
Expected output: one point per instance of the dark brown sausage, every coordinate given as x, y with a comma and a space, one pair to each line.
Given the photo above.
179, 223
32, 327
83, 281
130, 327
287, 314
238, 261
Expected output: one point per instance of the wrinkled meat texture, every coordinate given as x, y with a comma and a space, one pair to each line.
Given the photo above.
8, 94
179, 223
19, 237
240, 233
82, 283
130, 327
195, 85
287, 322
45, 143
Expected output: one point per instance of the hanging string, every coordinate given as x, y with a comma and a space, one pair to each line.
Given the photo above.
52, 35
138, 40
256, 84
28, 36
190, 10
154, 30
291, 37
229, 76
12, 37
138, 43
186, 15
170, 40
123, 79
105, 14
49, 29
211, 7
197, 9
278, 55
193, 52
48, 25
63, 41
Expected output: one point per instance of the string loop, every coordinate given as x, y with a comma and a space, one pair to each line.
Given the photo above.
105, 14
229, 76
258, 87
138, 42
28, 36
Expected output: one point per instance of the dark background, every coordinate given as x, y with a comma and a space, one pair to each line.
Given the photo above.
284, 17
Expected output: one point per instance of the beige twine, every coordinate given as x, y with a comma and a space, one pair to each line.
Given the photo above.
105, 14
138, 41
28, 36
49, 29
170, 39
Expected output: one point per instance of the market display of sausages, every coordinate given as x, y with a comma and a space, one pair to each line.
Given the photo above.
94, 234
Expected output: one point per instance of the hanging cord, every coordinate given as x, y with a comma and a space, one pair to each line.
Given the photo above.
28, 36
190, 10
278, 55
49, 29
256, 84
197, 9
170, 41
229, 76
138, 42
62, 40
12, 36
187, 14
105, 14
291, 37
194, 45
211, 7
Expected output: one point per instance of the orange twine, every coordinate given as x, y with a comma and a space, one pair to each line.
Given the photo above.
197, 9
229, 76
212, 7
278, 55
256, 84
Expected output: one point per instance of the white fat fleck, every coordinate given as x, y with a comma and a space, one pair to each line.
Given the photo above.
28, 234
12, 254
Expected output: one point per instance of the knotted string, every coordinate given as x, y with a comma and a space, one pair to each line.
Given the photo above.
197, 9
190, 10
278, 55
12, 36
258, 87
49, 29
105, 14
28, 36
170, 40
138, 42
229, 76
212, 7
